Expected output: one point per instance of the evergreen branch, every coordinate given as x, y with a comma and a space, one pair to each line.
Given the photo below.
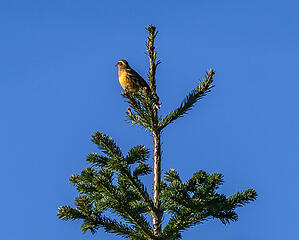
101, 201
119, 163
209, 185
179, 223
69, 213
119, 228
138, 153
175, 196
89, 177
187, 104
137, 120
110, 225
139, 222
141, 169
121, 206
90, 181
93, 222
196, 201
142, 104
226, 216
139, 206
140, 188
172, 175
121, 203
188, 218
96, 160
241, 198
196, 180
133, 180
84, 205
134, 119
107, 145
123, 183
135, 218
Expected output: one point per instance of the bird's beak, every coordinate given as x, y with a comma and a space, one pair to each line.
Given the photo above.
116, 65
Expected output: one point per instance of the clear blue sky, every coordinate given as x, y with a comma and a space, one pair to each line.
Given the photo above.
58, 85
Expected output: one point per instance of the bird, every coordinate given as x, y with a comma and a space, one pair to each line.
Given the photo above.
132, 82
129, 79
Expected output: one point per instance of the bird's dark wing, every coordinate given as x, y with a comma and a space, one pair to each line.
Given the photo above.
134, 76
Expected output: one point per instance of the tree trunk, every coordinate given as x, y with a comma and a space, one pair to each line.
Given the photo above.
157, 219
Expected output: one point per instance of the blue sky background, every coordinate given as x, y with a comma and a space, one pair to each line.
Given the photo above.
58, 85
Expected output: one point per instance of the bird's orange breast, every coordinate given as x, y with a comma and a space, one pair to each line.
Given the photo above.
126, 82
122, 77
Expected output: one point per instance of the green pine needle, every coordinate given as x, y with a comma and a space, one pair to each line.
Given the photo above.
189, 101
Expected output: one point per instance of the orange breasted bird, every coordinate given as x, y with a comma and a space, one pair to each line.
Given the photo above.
131, 81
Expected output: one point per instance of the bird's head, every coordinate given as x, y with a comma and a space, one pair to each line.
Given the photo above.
122, 64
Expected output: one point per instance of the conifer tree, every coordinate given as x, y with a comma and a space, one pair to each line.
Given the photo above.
113, 183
